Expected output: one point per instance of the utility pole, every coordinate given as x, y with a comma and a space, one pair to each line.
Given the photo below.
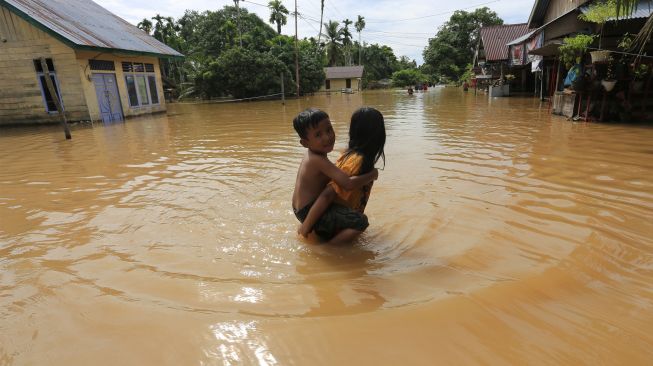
296, 52
240, 35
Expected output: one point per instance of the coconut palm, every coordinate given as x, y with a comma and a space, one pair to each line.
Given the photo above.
278, 14
334, 41
360, 25
346, 41
145, 25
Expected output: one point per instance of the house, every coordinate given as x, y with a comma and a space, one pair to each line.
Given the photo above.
343, 78
102, 67
551, 21
492, 56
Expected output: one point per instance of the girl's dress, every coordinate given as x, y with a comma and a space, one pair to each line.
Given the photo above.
356, 199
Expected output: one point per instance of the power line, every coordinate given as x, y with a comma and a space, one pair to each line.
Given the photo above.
306, 21
378, 31
432, 15
401, 36
396, 43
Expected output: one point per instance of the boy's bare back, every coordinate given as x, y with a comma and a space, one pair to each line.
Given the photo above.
311, 180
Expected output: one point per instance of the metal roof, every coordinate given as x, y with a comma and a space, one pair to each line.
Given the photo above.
537, 13
643, 10
523, 38
343, 72
83, 24
495, 39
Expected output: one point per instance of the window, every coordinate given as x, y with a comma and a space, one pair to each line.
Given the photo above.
328, 84
141, 84
48, 100
101, 65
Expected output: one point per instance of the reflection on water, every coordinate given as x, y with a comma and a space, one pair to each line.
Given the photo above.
499, 234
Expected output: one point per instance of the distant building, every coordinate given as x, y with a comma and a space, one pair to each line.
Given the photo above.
343, 77
103, 67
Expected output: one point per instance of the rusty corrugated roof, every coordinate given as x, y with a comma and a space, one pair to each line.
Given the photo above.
495, 39
343, 72
86, 25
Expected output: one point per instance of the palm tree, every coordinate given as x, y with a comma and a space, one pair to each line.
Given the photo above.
158, 27
278, 14
145, 25
334, 38
645, 34
346, 41
360, 25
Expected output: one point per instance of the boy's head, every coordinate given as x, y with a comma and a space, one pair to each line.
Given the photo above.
308, 118
314, 128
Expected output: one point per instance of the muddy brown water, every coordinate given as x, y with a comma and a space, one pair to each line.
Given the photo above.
499, 235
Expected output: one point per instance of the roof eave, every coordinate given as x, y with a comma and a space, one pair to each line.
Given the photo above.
75, 46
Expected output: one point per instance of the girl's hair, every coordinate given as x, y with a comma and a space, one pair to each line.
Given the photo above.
367, 137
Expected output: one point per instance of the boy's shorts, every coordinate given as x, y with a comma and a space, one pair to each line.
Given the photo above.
335, 219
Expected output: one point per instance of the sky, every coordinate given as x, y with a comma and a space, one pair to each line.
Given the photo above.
403, 25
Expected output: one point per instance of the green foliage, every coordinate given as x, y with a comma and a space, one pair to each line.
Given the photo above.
408, 77
610, 74
600, 12
278, 14
245, 73
379, 61
469, 72
640, 71
453, 46
574, 47
334, 36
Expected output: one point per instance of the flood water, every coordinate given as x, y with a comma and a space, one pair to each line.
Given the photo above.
499, 234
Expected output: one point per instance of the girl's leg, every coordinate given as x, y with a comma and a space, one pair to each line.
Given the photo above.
318, 209
345, 236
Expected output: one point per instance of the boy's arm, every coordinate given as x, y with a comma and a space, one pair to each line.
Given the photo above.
317, 210
342, 179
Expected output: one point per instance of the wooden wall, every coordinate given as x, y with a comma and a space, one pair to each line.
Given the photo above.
559, 7
89, 88
21, 100
337, 84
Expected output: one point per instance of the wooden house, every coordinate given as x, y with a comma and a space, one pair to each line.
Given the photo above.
492, 55
341, 78
551, 21
102, 67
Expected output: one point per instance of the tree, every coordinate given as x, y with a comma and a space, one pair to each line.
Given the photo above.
406, 63
278, 14
408, 77
247, 73
334, 38
360, 25
380, 62
346, 41
145, 25
453, 46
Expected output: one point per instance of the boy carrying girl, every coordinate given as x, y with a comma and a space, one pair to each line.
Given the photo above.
339, 223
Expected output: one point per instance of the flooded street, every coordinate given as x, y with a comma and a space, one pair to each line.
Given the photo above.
499, 234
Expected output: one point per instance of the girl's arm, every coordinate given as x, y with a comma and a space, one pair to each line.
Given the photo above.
342, 179
318, 209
